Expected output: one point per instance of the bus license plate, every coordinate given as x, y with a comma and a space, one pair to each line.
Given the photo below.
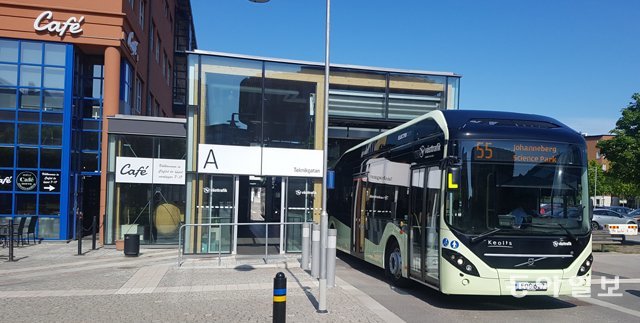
531, 286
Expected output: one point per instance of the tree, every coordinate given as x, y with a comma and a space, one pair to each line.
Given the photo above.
623, 151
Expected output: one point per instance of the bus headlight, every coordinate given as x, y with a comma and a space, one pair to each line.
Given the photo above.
586, 265
460, 262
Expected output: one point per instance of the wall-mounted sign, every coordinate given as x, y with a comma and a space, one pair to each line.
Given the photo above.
222, 159
134, 170
6, 180
150, 170
292, 162
26, 181
169, 171
45, 22
49, 181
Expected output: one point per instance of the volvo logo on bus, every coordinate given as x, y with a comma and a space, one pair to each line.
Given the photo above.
499, 243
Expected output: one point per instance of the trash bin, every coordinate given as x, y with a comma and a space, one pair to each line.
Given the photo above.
132, 244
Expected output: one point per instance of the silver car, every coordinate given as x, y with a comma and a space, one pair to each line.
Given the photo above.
606, 216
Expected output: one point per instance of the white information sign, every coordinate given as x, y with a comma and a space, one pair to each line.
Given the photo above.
169, 171
383, 171
223, 159
292, 162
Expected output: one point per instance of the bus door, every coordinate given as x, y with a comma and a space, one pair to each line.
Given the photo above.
359, 216
423, 208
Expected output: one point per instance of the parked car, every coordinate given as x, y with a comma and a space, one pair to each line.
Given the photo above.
619, 209
607, 216
635, 215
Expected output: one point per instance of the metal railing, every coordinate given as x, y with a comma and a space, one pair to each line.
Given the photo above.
281, 226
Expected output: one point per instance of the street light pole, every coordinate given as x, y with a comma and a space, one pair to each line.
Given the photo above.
324, 218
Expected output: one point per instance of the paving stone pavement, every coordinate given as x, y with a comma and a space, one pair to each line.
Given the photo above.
50, 283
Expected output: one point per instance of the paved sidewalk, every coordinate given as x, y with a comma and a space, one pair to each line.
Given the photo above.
49, 282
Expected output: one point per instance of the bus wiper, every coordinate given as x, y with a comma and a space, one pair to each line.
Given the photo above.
569, 234
485, 234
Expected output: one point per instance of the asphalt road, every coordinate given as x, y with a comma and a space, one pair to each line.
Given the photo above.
419, 303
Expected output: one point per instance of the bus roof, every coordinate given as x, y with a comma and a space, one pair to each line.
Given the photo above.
471, 124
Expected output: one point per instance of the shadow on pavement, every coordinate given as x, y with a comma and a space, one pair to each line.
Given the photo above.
478, 303
633, 292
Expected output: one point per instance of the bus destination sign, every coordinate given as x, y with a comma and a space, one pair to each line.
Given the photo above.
517, 152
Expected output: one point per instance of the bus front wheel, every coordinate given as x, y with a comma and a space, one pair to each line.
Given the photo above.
393, 264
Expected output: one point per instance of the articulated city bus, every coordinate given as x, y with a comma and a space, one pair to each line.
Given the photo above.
469, 202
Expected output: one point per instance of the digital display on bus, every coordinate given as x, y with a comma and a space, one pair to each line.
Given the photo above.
520, 151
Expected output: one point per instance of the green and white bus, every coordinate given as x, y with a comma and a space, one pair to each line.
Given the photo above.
469, 202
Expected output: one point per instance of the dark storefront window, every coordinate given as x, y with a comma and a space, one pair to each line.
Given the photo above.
32, 110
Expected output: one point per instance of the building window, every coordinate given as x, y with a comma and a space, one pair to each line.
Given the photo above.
141, 14
158, 46
149, 111
166, 8
156, 109
126, 88
138, 96
132, 3
169, 73
164, 64
152, 36
598, 154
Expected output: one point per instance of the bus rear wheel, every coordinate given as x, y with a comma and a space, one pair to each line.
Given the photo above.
393, 265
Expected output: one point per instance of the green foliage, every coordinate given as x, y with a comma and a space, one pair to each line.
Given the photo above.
623, 152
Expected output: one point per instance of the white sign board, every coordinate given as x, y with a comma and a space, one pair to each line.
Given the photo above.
223, 159
383, 171
292, 162
169, 171
623, 229
134, 170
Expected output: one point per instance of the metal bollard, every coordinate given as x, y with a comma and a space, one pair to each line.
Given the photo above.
305, 246
315, 251
11, 239
279, 298
79, 232
331, 258
93, 232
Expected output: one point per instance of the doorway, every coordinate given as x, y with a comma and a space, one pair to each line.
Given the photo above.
260, 202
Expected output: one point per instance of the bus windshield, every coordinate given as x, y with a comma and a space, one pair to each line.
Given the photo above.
519, 188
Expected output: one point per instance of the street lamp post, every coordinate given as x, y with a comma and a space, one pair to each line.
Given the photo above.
324, 218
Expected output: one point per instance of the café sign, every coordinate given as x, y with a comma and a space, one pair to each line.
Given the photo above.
45, 22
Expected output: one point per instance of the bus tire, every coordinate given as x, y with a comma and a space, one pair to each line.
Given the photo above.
393, 264
595, 226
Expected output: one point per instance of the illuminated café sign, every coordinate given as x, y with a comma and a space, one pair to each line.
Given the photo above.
45, 22
516, 152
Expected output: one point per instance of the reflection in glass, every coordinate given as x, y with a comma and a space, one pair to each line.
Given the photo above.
89, 162
54, 77
217, 207
8, 75
6, 156
8, 50
29, 99
26, 204
28, 116
90, 140
6, 204
48, 228
54, 54
28, 134
425, 94
49, 204
51, 135
27, 157
50, 157
53, 100
31, 53
8, 98
30, 75
299, 208
6, 133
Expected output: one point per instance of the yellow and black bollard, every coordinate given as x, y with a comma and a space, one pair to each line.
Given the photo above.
279, 298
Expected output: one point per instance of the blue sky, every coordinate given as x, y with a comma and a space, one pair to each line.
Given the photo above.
577, 61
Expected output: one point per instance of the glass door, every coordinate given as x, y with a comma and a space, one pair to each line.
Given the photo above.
423, 239
300, 196
217, 207
416, 222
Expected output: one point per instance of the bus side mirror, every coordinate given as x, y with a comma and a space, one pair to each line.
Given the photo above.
453, 178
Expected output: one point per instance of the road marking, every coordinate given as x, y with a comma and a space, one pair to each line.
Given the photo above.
598, 281
610, 306
370, 303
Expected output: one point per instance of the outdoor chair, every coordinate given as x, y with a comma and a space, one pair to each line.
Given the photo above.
31, 230
18, 233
